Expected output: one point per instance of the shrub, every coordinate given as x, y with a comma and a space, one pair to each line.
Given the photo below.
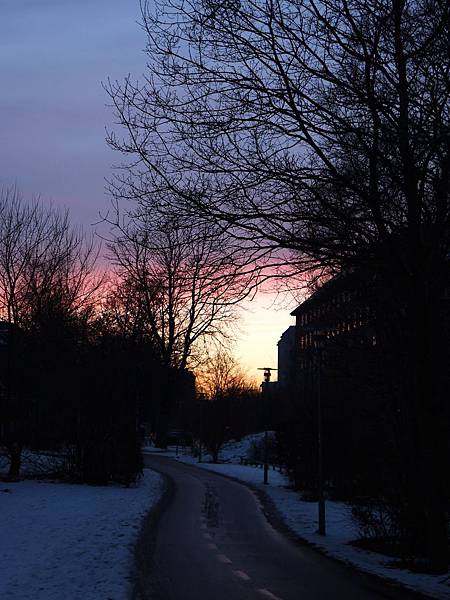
256, 451
377, 518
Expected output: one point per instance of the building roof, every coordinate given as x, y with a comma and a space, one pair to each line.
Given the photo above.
343, 281
287, 335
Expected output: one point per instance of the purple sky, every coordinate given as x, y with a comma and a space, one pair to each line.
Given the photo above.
54, 54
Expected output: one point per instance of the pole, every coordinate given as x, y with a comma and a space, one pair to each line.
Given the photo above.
322, 522
266, 465
265, 402
265, 395
201, 432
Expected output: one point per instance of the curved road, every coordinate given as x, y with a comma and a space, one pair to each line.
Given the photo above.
214, 543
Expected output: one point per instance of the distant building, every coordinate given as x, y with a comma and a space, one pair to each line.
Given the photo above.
340, 313
334, 334
287, 359
352, 379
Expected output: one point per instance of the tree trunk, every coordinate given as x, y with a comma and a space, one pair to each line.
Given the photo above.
162, 429
427, 425
165, 410
15, 453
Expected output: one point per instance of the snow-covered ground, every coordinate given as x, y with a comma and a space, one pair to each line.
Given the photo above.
35, 463
301, 518
232, 451
70, 541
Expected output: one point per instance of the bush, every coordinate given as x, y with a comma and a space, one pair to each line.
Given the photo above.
127, 461
377, 518
256, 451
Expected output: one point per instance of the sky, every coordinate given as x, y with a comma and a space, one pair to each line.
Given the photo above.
54, 55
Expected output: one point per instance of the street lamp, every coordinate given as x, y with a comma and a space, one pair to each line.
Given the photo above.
319, 340
265, 391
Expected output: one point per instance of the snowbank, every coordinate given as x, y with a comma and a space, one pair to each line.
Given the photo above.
70, 541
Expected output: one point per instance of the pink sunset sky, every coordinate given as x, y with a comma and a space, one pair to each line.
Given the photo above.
53, 114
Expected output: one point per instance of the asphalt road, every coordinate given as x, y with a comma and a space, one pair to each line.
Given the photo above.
214, 543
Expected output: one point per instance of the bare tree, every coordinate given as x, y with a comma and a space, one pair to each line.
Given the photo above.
321, 127
225, 388
43, 261
61, 277
23, 230
47, 282
123, 310
222, 372
186, 285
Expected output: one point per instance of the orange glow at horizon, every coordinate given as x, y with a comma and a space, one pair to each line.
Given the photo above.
260, 328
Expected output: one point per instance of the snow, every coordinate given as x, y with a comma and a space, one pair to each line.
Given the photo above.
301, 518
35, 463
70, 541
232, 451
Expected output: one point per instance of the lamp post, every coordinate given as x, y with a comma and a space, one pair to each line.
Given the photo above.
201, 399
319, 343
265, 391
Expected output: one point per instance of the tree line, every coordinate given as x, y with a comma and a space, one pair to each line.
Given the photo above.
89, 351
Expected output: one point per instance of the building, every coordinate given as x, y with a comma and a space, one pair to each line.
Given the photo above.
287, 359
340, 313
354, 385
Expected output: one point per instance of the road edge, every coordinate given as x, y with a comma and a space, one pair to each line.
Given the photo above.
142, 571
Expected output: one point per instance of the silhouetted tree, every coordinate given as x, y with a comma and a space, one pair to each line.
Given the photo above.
321, 127
232, 404
47, 290
187, 285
